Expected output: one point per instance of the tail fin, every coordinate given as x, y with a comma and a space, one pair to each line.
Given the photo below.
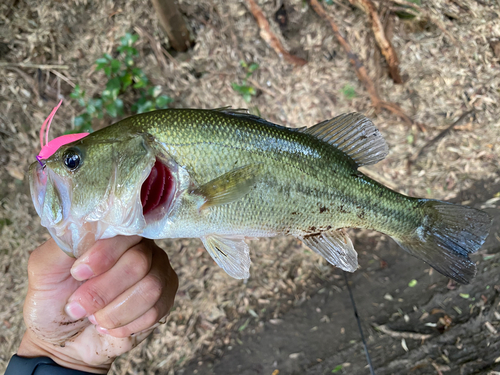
446, 237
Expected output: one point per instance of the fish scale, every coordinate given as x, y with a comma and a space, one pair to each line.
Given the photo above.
229, 142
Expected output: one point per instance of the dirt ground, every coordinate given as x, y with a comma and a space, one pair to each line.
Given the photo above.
293, 314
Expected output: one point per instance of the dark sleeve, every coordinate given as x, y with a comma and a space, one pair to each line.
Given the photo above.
38, 366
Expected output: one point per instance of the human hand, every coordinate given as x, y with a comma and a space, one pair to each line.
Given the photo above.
85, 325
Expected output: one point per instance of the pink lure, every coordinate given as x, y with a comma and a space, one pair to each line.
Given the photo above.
51, 147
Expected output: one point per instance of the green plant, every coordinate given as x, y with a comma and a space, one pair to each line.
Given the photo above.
349, 92
337, 369
244, 89
122, 74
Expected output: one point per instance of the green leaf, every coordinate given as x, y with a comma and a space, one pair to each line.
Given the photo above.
78, 121
412, 283
119, 106
349, 92
90, 109
337, 369
102, 63
140, 78
163, 101
155, 91
97, 103
243, 89
127, 51
129, 61
111, 109
77, 92
107, 56
102, 60
115, 65
143, 105
126, 80
140, 82
464, 295
107, 70
112, 88
253, 67
129, 39
245, 325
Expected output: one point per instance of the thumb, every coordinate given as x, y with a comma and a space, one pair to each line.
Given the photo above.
48, 265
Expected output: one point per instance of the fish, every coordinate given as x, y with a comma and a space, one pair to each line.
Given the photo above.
224, 176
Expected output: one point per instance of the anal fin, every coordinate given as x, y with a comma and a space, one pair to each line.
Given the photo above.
230, 253
335, 246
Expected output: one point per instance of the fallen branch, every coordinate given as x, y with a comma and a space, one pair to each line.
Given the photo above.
378, 31
35, 66
434, 140
270, 37
361, 71
401, 334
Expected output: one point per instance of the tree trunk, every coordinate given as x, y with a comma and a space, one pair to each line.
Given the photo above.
173, 23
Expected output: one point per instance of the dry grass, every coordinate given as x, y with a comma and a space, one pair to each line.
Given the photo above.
444, 81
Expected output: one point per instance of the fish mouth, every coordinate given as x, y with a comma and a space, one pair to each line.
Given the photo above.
158, 190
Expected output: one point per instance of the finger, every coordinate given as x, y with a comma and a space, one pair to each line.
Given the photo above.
48, 264
99, 291
145, 322
102, 256
157, 290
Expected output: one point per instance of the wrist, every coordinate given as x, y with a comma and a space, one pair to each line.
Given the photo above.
32, 347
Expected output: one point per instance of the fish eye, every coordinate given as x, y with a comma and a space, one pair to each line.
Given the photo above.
72, 159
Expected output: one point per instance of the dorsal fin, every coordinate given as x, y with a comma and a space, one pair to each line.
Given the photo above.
244, 114
353, 134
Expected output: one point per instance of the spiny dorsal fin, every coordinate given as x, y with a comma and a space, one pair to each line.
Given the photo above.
231, 254
353, 134
244, 114
335, 246
228, 187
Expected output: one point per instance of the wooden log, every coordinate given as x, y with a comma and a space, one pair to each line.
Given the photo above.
173, 23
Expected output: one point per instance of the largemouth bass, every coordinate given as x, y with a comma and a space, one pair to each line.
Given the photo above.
223, 175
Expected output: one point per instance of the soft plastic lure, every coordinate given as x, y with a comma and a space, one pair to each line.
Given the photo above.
49, 148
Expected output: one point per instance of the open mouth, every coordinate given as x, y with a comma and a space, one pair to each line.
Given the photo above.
157, 190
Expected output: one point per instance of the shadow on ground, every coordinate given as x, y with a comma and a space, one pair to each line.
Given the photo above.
433, 327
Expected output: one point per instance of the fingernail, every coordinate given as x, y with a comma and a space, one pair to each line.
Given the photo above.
101, 330
75, 310
82, 272
92, 320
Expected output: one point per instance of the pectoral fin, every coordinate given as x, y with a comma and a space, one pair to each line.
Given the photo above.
335, 246
229, 187
231, 254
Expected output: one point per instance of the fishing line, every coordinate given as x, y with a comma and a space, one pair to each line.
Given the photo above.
368, 358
